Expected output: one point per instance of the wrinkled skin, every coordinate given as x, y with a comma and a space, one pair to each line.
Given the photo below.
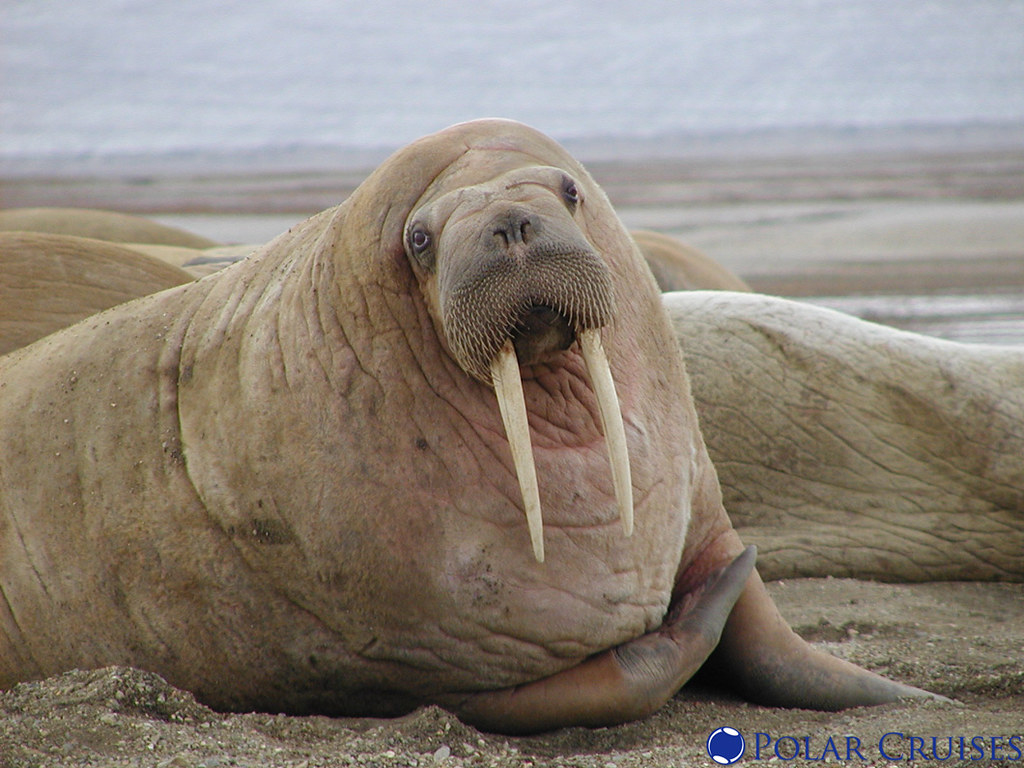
859, 450
283, 487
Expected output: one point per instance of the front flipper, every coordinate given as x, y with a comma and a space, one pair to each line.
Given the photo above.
625, 683
770, 664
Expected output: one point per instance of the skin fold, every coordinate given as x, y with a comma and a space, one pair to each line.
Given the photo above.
289, 486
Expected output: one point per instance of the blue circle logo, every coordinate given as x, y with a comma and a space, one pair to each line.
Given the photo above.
726, 746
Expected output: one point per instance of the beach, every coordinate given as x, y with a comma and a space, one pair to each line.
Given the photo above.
926, 238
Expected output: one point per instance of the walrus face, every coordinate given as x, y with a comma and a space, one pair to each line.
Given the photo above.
509, 262
511, 279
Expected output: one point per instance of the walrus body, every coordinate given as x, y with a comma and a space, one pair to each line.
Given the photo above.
677, 266
196, 261
110, 226
288, 486
874, 453
48, 282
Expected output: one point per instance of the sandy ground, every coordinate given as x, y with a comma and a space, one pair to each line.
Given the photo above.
839, 227
960, 639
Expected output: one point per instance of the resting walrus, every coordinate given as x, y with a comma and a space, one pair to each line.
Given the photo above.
290, 486
846, 448
110, 226
48, 282
677, 266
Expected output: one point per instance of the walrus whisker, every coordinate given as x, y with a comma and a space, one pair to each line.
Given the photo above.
611, 420
508, 387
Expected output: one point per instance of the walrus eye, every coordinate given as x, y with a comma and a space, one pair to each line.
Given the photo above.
419, 246
571, 192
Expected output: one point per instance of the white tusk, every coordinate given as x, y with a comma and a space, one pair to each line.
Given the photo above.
611, 421
508, 386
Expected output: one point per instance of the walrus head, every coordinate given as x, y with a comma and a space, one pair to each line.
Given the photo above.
512, 280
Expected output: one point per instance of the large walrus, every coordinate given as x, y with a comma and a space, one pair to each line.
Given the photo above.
433, 445
846, 448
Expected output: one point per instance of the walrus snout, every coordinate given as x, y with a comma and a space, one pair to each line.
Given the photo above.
517, 228
547, 290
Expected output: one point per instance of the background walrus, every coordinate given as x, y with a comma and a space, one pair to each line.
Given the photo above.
871, 452
677, 266
48, 282
111, 226
289, 485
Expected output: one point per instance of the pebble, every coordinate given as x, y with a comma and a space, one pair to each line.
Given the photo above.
442, 753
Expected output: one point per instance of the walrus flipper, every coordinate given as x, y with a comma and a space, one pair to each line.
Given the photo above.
622, 684
768, 663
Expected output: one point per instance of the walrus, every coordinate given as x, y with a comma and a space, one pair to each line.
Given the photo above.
48, 282
872, 452
196, 261
433, 445
677, 266
97, 224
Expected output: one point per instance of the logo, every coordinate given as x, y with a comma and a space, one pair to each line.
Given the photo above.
726, 745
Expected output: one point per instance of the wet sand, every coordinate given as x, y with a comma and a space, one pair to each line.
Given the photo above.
932, 241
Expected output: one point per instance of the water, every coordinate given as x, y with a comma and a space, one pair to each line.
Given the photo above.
107, 77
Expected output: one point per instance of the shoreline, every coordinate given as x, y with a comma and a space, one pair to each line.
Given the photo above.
714, 145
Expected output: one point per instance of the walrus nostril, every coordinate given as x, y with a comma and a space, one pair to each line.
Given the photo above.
516, 227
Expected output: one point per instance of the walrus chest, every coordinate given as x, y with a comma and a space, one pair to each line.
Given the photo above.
406, 534
479, 616
468, 605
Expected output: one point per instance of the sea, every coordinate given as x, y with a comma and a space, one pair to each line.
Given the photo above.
97, 81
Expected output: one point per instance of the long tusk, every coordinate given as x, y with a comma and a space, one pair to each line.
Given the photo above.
611, 421
508, 386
